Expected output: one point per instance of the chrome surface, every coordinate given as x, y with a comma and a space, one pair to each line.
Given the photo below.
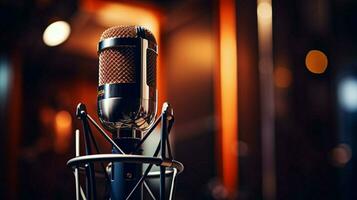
137, 114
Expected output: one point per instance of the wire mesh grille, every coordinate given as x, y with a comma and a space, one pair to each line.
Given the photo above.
120, 32
151, 68
117, 66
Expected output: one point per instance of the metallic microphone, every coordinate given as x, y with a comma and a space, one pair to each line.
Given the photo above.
127, 96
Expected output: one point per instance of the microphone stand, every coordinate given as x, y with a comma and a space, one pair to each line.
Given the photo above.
167, 120
89, 167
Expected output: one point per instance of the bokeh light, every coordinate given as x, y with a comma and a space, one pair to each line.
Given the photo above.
347, 94
56, 33
63, 121
264, 10
5, 79
282, 77
63, 128
316, 61
227, 95
341, 155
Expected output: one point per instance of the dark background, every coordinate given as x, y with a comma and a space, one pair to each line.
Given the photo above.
314, 132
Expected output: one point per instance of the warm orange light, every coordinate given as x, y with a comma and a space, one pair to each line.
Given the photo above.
198, 49
63, 121
228, 94
113, 14
63, 127
316, 61
282, 77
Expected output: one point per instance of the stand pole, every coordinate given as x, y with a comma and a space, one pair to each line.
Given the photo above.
81, 113
163, 153
76, 177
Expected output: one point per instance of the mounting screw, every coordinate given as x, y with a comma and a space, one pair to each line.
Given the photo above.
129, 175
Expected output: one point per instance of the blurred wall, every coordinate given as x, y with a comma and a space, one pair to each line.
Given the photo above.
190, 43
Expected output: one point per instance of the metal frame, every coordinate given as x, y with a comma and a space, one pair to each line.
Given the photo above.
166, 162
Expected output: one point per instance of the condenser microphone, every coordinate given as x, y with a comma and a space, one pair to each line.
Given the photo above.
127, 78
127, 97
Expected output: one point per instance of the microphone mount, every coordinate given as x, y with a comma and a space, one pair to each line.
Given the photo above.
165, 160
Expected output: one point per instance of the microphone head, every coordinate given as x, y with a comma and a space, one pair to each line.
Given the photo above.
117, 65
127, 78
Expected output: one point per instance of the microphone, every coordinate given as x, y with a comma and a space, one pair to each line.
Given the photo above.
127, 97
127, 106
127, 78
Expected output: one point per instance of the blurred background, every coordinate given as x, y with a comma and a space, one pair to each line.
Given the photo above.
264, 93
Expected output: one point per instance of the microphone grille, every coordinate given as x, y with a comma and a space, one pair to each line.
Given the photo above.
151, 66
117, 65
128, 31
120, 31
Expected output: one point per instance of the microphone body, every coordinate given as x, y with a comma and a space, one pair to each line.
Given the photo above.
127, 97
